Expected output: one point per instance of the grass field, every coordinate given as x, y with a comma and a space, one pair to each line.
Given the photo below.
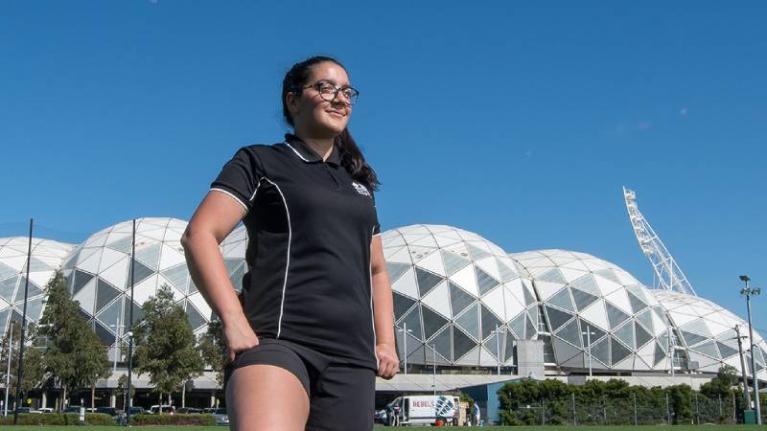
381, 428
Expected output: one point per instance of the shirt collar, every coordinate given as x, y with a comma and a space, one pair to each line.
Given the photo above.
307, 154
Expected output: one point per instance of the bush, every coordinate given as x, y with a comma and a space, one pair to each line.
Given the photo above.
175, 419
58, 419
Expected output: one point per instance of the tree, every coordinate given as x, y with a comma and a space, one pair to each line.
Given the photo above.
165, 344
33, 372
75, 357
212, 347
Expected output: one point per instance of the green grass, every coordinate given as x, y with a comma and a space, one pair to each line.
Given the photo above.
381, 428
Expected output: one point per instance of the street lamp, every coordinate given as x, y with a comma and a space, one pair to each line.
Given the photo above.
749, 291
405, 331
588, 333
8, 371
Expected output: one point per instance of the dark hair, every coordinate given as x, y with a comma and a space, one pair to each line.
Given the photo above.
351, 157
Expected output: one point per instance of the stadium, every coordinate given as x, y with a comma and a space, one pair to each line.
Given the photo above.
468, 314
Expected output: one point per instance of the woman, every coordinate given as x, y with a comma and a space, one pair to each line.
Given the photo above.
313, 325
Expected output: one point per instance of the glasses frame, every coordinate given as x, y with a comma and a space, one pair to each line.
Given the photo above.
351, 101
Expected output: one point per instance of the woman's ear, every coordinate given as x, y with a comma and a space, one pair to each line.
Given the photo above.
292, 102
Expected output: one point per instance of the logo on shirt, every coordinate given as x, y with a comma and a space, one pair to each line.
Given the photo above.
361, 189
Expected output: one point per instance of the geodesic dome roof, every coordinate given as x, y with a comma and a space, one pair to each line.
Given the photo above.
233, 249
707, 332
452, 289
98, 272
581, 293
46, 258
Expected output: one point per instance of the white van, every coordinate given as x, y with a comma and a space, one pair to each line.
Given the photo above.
423, 410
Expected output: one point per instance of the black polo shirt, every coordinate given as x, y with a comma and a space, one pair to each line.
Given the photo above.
310, 226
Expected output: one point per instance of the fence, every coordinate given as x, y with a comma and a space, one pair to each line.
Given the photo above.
632, 409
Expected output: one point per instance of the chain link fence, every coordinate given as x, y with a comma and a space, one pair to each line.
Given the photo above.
633, 409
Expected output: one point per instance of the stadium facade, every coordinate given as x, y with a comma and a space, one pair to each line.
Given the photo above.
460, 301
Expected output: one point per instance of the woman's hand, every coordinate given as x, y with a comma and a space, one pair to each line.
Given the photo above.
239, 337
388, 362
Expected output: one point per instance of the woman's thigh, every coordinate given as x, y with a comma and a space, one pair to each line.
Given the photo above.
266, 398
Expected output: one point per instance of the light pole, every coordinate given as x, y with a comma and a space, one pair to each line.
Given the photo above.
8, 370
588, 333
117, 327
749, 291
744, 371
405, 331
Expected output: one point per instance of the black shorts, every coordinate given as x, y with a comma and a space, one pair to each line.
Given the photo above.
341, 396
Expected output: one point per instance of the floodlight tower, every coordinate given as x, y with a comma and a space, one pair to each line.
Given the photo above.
668, 274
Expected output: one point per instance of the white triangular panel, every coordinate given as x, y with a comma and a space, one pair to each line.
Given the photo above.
470, 358
109, 257
87, 296
619, 299
425, 241
439, 300
608, 286
682, 318
513, 305
199, 302
406, 284
446, 241
117, 275
495, 302
658, 324
647, 354
401, 256
489, 265
547, 289
170, 257
487, 359
433, 263
91, 264
576, 264
571, 274
40, 278
466, 279
596, 314
145, 290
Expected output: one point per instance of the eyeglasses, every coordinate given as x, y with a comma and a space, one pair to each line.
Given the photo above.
329, 92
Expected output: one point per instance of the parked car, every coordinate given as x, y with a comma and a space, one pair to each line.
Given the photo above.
45, 410
189, 410
136, 410
111, 411
166, 409
72, 409
25, 410
222, 418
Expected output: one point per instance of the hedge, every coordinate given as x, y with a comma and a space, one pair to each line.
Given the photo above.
174, 419
58, 419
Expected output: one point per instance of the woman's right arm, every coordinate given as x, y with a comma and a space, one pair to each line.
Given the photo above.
213, 220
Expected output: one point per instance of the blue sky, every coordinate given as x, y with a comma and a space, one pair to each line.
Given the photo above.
519, 123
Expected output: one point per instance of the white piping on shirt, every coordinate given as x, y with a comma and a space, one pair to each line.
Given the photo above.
372, 312
287, 260
297, 153
236, 199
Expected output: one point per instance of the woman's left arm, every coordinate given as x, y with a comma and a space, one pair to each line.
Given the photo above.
383, 310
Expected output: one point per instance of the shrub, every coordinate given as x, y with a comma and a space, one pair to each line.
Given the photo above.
59, 419
175, 419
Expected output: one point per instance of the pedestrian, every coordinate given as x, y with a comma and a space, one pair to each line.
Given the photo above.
313, 325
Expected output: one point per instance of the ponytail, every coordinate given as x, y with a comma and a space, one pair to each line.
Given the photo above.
354, 162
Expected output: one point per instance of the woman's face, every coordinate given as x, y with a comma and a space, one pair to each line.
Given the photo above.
315, 116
